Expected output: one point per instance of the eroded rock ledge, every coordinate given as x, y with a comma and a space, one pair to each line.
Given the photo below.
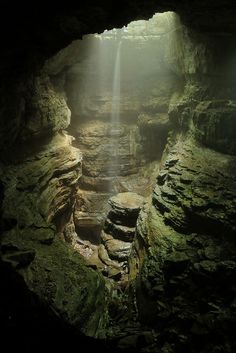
39, 197
185, 249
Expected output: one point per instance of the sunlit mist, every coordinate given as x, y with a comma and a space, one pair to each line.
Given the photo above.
118, 86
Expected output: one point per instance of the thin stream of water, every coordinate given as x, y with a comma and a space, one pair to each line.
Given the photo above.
115, 112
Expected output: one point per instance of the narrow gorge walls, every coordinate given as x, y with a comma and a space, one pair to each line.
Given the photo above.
118, 85
185, 246
149, 109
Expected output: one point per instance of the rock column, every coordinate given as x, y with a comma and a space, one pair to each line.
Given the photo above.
119, 231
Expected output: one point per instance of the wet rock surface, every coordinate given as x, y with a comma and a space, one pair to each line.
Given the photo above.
108, 151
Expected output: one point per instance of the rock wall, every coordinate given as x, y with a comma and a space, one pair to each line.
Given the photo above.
39, 172
184, 252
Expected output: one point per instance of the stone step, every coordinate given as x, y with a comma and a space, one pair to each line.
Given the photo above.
122, 219
114, 269
125, 208
118, 231
117, 249
88, 225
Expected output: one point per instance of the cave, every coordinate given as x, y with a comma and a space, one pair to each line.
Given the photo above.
117, 177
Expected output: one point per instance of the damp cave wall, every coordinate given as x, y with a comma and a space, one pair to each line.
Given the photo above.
189, 227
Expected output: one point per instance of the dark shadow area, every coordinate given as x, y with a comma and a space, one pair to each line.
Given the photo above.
30, 326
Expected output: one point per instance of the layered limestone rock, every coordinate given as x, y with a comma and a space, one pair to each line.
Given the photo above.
38, 183
108, 150
182, 264
214, 123
119, 229
113, 161
39, 196
125, 208
40, 189
38, 111
196, 189
186, 250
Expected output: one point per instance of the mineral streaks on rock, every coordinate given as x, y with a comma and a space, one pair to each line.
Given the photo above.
107, 153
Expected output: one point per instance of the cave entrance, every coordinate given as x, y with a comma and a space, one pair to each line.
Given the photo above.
118, 86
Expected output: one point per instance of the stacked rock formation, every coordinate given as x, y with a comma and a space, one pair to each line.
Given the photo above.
119, 231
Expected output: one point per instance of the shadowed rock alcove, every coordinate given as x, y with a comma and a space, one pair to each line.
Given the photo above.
117, 180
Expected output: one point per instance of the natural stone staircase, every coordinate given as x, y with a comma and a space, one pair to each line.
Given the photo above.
119, 231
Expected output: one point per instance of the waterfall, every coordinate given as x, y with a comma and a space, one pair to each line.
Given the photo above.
115, 114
